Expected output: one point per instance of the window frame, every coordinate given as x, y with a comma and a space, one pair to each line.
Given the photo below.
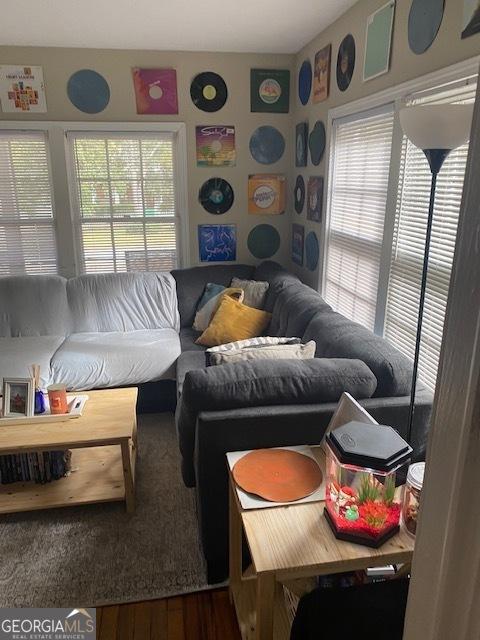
398, 95
69, 256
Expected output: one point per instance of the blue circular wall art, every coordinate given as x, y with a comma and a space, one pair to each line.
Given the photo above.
267, 145
424, 21
316, 142
263, 241
305, 81
311, 251
88, 91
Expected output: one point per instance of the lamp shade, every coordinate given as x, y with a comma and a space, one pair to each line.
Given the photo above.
437, 126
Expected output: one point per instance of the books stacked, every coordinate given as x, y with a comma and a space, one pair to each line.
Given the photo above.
40, 467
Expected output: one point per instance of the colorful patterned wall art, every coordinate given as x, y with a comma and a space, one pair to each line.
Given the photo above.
269, 90
22, 89
215, 146
266, 194
155, 91
217, 242
321, 74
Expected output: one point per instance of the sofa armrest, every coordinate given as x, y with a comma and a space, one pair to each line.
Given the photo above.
264, 383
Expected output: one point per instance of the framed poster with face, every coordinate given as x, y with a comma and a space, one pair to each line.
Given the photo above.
321, 74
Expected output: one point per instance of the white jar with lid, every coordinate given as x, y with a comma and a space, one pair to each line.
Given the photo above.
411, 497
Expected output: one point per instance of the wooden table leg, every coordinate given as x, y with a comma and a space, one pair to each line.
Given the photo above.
128, 476
235, 543
265, 605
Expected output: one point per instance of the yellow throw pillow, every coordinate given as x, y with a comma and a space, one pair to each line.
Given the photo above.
234, 321
231, 292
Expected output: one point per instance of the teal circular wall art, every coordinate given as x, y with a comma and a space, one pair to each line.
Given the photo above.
424, 21
263, 241
88, 91
311, 251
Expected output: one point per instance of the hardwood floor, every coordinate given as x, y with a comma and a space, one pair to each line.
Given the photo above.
207, 615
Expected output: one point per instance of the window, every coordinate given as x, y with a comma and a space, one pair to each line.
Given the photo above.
378, 208
27, 232
124, 201
409, 241
360, 166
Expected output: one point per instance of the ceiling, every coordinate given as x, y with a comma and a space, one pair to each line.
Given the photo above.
261, 26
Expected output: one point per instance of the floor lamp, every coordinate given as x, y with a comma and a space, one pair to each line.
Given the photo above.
436, 130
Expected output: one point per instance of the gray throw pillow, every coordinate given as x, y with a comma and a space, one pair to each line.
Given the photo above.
255, 292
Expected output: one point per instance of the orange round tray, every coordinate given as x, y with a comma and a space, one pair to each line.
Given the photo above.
278, 475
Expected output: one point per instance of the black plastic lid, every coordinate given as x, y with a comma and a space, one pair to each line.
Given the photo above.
369, 445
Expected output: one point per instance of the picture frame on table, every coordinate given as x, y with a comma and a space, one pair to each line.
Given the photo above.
18, 397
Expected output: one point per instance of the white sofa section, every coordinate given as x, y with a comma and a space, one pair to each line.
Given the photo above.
115, 329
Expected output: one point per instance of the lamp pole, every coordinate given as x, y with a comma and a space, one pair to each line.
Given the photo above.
436, 158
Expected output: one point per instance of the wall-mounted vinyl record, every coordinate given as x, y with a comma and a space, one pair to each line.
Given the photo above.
299, 194
345, 62
311, 251
88, 91
424, 21
301, 144
316, 142
208, 91
267, 145
263, 241
216, 196
305, 81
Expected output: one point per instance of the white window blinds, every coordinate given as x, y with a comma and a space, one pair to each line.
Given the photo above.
409, 241
124, 201
360, 166
27, 233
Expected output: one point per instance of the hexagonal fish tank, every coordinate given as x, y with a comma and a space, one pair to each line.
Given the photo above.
362, 501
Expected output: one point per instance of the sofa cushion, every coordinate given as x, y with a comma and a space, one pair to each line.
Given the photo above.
123, 302
278, 279
294, 307
339, 337
18, 354
188, 337
188, 361
191, 284
115, 359
264, 383
33, 306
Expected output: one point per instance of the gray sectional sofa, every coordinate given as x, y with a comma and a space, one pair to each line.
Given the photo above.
98, 331
235, 407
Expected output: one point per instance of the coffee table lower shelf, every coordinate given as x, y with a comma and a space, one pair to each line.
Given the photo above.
97, 476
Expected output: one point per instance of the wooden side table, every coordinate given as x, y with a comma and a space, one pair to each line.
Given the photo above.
288, 543
104, 446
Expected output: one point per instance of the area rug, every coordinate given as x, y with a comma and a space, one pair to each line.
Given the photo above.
97, 554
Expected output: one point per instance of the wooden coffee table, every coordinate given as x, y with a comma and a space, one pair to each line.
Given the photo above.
103, 443
289, 543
